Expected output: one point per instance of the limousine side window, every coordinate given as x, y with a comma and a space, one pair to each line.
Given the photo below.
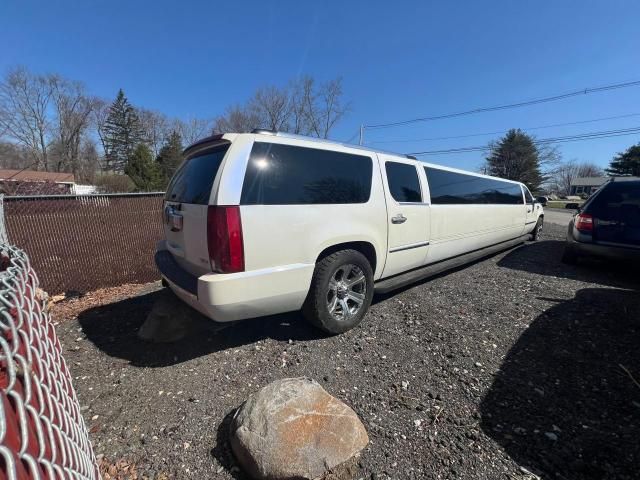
451, 188
404, 183
527, 195
289, 175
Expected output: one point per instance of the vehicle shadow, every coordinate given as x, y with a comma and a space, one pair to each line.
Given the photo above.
113, 329
566, 401
544, 258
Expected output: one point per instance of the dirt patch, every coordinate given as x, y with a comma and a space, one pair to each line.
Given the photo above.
69, 306
443, 374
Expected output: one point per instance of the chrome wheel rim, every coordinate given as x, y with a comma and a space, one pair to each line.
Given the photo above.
347, 292
539, 230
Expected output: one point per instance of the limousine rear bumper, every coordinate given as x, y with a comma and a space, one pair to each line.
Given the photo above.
386, 285
238, 296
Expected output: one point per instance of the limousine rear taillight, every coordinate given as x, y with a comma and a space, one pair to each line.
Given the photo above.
224, 239
584, 223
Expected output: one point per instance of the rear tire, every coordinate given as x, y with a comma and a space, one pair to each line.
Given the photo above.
535, 235
569, 256
341, 292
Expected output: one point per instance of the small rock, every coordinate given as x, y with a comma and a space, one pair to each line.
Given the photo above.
405, 385
551, 436
293, 428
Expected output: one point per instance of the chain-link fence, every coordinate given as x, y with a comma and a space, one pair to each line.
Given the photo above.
84, 242
42, 433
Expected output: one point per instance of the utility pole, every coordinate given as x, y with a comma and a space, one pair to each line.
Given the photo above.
361, 134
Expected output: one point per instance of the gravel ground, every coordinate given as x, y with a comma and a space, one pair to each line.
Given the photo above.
514, 366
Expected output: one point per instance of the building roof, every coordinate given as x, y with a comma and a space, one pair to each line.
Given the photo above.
589, 181
33, 176
597, 181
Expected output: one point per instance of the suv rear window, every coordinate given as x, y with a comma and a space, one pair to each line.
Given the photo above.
618, 200
289, 175
193, 181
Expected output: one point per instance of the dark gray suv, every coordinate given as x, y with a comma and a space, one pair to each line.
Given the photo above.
608, 224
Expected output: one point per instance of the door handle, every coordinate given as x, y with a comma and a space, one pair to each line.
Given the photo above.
398, 219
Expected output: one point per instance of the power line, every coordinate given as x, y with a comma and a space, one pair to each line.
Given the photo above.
542, 141
353, 137
525, 103
501, 132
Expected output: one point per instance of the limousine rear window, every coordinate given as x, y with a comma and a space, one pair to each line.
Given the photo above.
450, 188
193, 181
289, 175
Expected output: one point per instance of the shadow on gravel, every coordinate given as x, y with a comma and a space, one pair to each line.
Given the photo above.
543, 258
113, 329
564, 403
222, 451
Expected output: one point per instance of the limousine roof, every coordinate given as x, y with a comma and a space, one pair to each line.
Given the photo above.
275, 133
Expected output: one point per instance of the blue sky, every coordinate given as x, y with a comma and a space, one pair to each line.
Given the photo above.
399, 60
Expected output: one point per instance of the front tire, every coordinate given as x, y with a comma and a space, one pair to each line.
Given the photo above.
341, 292
537, 231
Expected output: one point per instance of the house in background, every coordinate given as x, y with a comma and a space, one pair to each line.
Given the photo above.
29, 182
586, 185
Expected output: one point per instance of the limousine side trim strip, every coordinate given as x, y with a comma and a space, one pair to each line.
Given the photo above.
412, 276
409, 247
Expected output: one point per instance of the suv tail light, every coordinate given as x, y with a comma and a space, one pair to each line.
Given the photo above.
224, 239
584, 223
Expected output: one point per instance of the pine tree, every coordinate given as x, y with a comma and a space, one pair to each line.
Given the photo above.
170, 156
516, 157
122, 131
143, 171
626, 163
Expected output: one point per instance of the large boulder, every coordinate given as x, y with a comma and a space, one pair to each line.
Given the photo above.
293, 429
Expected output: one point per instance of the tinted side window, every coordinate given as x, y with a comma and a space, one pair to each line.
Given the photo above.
289, 175
527, 195
192, 182
404, 183
450, 188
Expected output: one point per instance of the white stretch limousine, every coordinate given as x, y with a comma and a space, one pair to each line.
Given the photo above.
265, 223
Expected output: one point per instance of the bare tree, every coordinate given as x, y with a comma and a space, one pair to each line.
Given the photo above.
193, 129
14, 156
589, 169
237, 119
89, 163
25, 100
302, 108
72, 120
272, 105
99, 116
330, 108
156, 127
